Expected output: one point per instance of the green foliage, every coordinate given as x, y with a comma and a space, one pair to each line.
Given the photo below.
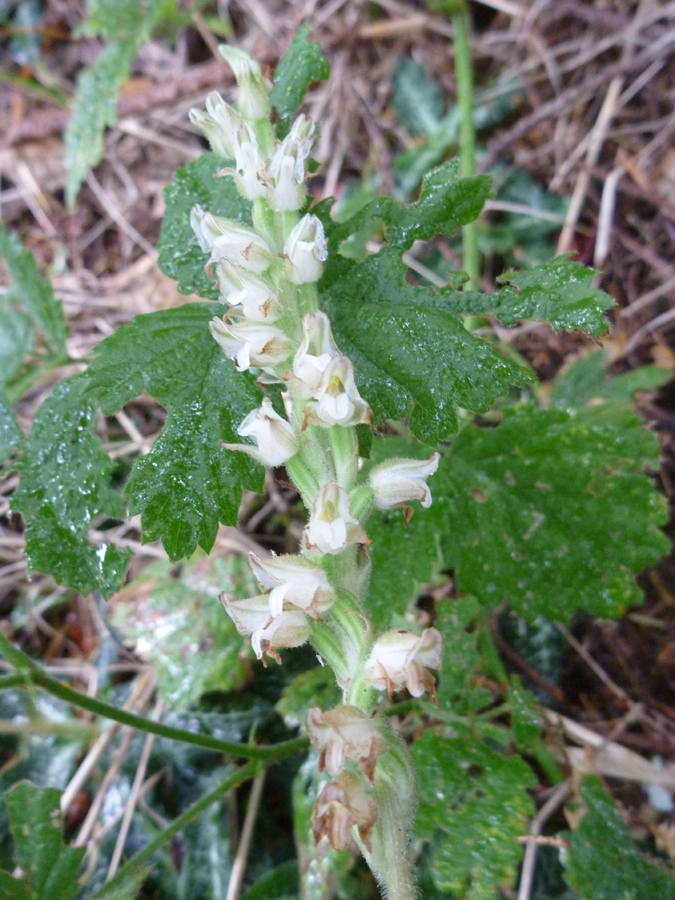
33, 293
603, 863
587, 379
460, 656
477, 798
317, 687
281, 883
64, 489
11, 436
417, 99
302, 63
183, 627
17, 337
188, 483
126, 24
180, 256
49, 867
551, 511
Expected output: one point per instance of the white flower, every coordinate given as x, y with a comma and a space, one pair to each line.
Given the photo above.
345, 733
285, 171
331, 526
341, 805
275, 438
226, 239
293, 582
248, 163
306, 250
399, 659
218, 124
396, 481
254, 89
250, 344
253, 294
338, 401
252, 617
314, 355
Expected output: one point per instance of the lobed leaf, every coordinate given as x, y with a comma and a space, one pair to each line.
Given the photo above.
302, 64
477, 798
180, 256
32, 291
188, 483
64, 489
551, 511
603, 862
50, 868
587, 379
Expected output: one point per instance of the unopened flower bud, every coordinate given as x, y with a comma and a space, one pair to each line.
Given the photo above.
268, 634
338, 401
294, 582
345, 733
306, 250
396, 481
218, 124
250, 344
275, 438
400, 659
254, 89
226, 239
331, 526
342, 805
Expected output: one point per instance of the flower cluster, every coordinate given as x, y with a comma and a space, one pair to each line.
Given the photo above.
267, 276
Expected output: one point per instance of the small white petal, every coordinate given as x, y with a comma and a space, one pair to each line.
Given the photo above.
306, 250
396, 481
276, 441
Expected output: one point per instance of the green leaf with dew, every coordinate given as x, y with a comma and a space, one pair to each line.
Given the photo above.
188, 483
180, 256
603, 862
64, 491
32, 291
17, 337
302, 64
478, 800
11, 436
49, 867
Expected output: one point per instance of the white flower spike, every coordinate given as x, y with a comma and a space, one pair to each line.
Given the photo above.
252, 617
400, 659
293, 582
331, 526
397, 481
306, 250
254, 89
275, 438
345, 733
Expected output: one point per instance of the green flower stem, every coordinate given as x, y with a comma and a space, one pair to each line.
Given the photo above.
70, 731
32, 674
247, 771
459, 16
10, 681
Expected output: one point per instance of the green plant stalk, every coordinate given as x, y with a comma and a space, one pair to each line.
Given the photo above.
459, 16
32, 675
249, 770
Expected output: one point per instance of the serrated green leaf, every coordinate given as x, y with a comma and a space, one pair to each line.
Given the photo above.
460, 655
11, 436
49, 867
603, 863
180, 256
526, 722
32, 291
17, 337
188, 483
119, 20
551, 512
128, 24
478, 799
64, 489
302, 64
558, 293
587, 379
184, 628
413, 358
417, 100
